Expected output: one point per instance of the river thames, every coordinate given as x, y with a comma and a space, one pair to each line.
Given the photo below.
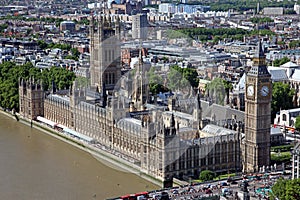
37, 166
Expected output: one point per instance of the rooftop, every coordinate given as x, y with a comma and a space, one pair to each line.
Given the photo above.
213, 130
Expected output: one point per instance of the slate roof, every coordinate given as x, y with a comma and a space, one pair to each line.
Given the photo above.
58, 98
216, 112
130, 125
217, 130
278, 74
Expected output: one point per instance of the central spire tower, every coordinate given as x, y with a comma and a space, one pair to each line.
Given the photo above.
105, 50
257, 114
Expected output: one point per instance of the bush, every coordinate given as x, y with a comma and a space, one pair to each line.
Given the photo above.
206, 175
282, 148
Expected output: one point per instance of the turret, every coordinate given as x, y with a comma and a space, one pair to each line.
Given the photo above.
100, 28
31, 97
172, 121
171, 103
118, 27
109, 19
92, 25
197, 114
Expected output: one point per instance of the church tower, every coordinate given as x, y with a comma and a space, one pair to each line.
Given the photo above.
105, 64
140, 83
197, 114
257, 114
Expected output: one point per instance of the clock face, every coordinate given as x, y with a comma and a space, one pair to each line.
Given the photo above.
264, 91
250, 90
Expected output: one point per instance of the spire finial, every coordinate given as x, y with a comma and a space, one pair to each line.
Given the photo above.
140, 53
172, 121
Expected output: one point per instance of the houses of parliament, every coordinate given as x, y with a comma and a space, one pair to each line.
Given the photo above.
178, 138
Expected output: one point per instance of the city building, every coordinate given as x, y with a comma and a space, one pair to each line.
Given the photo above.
273, 11
67, 26
139, 26
171, 8
297, 8
287, 118
128, 7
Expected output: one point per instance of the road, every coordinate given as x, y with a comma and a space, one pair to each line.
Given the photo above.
218, 188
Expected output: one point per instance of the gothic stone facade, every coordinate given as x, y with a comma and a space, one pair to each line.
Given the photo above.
257, 115
162, 148
31, 98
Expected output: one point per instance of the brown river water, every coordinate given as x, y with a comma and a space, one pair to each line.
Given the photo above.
34, 165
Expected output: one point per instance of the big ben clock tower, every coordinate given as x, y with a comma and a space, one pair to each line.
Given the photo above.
258, 96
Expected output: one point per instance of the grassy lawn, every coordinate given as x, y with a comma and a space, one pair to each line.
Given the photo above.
220, 177
281, 157
223, 176
287, 153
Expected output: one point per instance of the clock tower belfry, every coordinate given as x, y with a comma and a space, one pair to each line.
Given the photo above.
258, 96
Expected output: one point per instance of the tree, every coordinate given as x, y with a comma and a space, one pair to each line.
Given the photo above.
289, 12
294, 44
42, 44
10, 74
261, 19
278, 62
217, 90
174, 78
83, 81
297, 124
282, 97
156, 84
286, 189
182, 78
206, 175
71, 57
75, 52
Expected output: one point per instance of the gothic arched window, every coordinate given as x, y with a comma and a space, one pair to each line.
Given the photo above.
284, 117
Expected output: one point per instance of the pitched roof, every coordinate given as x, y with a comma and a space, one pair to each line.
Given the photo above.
220, 114
290, 65
278, 74
217, 130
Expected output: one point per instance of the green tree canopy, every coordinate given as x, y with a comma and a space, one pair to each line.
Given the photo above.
206, 175
286, 189
156, 82
217, 90
261, 19
75, 52
182, 78
281, 61
10, 74
282, 97
297, 124
243, 5
216, 34
294, 44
